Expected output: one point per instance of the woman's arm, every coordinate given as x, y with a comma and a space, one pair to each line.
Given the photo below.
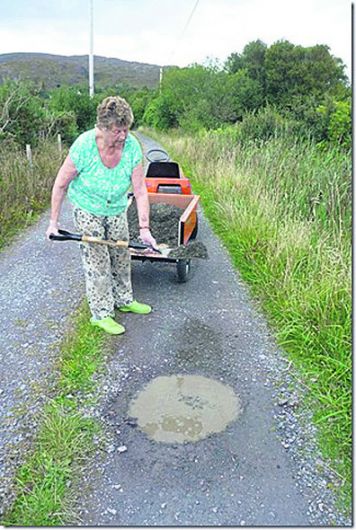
143, 205
66, 174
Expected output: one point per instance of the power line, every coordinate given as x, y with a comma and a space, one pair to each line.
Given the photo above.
189, 19
185, 27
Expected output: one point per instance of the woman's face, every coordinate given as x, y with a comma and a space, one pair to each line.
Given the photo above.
116, 135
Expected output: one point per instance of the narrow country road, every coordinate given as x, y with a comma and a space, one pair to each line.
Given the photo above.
243, 473
201, 426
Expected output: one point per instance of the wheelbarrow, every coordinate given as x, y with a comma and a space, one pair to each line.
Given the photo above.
186, 232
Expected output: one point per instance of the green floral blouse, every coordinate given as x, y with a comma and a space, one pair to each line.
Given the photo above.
98, 189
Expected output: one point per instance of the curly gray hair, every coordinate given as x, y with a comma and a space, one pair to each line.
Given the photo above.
114, 110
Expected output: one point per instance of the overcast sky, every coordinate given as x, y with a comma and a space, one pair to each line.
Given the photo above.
177, 32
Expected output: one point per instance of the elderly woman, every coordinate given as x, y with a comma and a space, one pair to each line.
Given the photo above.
98, 172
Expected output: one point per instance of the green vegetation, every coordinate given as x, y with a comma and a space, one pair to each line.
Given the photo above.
305, 88
283, 209
25, 190
266, 139
47, 482
27, 116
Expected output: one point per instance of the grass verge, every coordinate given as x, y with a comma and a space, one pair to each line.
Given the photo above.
45, 484
283, 212
25, 190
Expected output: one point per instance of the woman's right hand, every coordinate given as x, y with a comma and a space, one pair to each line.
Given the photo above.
52, 229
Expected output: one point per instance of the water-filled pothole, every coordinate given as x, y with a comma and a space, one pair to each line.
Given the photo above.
184, 408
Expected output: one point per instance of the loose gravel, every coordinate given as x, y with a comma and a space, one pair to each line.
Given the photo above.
41, 286
164, 221
38, 298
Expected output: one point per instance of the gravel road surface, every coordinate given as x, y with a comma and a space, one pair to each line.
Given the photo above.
41, 286
261, 469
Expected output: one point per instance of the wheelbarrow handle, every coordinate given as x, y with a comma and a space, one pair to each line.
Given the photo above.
69, 236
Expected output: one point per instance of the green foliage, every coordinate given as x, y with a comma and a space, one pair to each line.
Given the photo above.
77, 103
21, 113
252, 60
162, 112
26, 119
336, 116
304, 91
28, 113
24, 190
139, 102
284, 213
264, 124
267, 91
202, 97
242, 94
296, 71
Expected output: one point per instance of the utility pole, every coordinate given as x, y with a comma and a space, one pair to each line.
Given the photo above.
91, 56
160, 78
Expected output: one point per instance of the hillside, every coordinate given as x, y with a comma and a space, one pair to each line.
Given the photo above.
54, 70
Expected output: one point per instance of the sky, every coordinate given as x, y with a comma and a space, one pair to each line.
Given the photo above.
179, 32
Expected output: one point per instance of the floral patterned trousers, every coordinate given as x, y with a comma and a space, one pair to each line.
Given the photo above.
107, 270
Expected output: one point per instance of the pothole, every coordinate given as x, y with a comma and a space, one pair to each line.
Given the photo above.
184, 408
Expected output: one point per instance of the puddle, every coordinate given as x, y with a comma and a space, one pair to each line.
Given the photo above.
184, 408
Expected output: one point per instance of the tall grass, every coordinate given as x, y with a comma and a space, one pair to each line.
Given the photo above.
283, 209
25, 190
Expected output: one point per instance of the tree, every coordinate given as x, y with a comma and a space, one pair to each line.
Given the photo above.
296, 71
21, 112
252, 60
139, 102
75, 100
234, 63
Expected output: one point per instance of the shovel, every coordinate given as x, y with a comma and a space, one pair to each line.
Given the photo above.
68, 236
193, 250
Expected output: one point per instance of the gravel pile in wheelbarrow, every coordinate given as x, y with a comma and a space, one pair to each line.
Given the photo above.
164, 220
194, 249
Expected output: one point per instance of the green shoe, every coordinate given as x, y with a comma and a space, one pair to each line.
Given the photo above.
136, 307
109, 325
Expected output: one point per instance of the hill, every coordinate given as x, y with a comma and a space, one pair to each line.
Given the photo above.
55, 70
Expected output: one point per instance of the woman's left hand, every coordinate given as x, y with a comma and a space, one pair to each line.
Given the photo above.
147, 238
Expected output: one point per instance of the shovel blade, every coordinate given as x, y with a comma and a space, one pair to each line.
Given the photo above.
194, 249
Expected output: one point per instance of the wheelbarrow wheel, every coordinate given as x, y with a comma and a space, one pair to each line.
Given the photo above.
183, 269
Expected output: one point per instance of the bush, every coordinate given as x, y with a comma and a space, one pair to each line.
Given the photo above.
337, 121
26, 118
161, 113
79, 104
22, 114
265, 124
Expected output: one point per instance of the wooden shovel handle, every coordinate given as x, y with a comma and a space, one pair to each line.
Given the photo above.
108, 242
64, 235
